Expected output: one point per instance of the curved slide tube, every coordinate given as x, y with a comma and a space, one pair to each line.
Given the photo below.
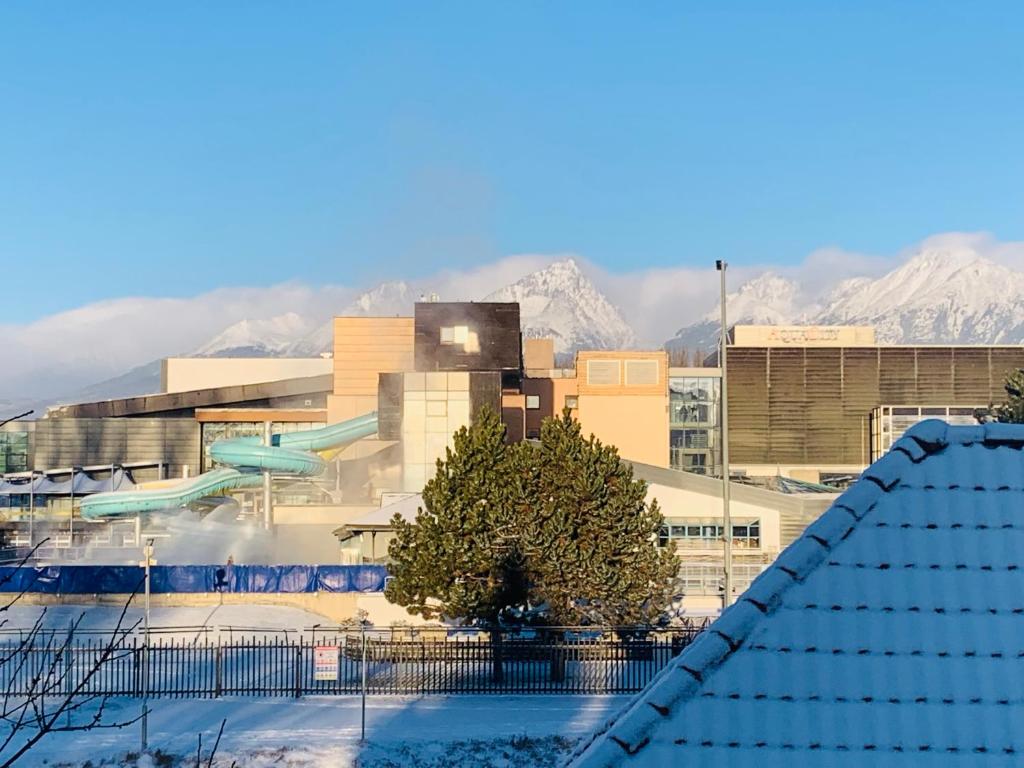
246, 458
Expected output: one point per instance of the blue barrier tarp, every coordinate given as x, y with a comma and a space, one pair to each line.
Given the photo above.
124, 579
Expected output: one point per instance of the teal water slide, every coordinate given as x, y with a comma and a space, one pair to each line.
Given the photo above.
245, 460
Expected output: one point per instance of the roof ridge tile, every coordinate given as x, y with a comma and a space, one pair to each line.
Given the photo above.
930, 434
889, 469
997, 433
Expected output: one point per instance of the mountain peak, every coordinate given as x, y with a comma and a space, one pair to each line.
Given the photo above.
256, 338
562, 303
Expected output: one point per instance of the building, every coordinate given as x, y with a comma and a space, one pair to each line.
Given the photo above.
887, 634
821, 403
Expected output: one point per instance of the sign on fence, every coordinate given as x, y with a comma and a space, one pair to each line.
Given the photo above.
325, 662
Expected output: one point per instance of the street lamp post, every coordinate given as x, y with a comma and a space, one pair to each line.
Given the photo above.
147, 563
721, 266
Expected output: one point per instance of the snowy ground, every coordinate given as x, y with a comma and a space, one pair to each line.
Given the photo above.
200, 622
433, 732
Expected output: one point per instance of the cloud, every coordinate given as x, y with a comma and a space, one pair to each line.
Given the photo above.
59, 353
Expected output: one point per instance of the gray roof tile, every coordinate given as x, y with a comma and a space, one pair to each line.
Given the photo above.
890, 634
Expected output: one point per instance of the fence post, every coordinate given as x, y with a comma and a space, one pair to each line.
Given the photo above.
218, 675
298, 669
557, 663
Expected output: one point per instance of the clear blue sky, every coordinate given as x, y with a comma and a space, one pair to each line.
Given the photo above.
169, 149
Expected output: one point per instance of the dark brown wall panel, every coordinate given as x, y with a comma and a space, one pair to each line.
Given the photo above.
496, 325
787, 405
934, 376
811, 405
748, 405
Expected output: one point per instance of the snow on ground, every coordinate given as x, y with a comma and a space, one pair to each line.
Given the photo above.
176, 622
431, 732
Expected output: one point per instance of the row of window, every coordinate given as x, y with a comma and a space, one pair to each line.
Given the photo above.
608, 373
533, 402
743, 534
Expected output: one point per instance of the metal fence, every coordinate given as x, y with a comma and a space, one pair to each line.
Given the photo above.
395, 663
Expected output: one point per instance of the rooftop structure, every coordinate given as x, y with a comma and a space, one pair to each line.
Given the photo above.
887, 634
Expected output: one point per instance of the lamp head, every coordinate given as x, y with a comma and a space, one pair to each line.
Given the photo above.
720, 265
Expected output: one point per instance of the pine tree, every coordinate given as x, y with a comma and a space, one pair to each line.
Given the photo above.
588, 535
1012, 411
460, 558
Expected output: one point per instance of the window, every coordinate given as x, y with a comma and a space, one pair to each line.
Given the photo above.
533, 434
603, 373
642, 373
532, 402
572, 401
745, 535
460, 335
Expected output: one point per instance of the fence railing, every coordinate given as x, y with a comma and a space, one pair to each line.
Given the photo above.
271, 666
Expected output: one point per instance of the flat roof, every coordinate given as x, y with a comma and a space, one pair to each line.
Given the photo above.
196, 398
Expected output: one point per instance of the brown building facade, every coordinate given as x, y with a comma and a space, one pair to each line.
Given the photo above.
812, 405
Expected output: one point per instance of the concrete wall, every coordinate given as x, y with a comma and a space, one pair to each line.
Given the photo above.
623, 400
183, 374
434, 406
538, 354
338, 607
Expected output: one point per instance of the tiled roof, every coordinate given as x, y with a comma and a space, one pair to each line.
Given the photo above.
891, 633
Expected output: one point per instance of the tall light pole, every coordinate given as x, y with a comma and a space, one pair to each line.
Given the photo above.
721, 266
146, 564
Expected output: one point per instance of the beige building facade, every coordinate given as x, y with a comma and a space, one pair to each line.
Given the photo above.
184, 374
365, 347
622, 398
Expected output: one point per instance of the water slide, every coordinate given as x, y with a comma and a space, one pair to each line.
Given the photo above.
245, 460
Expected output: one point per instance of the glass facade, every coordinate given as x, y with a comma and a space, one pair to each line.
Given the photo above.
693, 424
220, 430
14, 452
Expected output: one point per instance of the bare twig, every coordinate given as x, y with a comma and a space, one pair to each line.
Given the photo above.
209, 763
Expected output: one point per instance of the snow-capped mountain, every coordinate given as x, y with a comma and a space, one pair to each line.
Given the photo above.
559, 302
939, 295
257, 338
386, 300
953, 296
768, 299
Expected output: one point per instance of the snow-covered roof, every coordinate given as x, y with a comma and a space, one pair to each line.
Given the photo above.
890, 633
380, 518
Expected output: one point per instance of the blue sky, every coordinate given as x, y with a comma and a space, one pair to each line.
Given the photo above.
170, 150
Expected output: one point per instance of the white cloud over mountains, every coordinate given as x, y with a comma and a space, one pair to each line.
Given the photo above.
59, 353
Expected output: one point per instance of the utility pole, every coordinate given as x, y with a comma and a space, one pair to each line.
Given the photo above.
721, 266
268, 488
362, 717
148, 552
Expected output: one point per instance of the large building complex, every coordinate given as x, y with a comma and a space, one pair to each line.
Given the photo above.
807, 405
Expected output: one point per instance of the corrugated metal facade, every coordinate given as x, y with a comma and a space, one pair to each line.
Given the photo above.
68, 442
811, 405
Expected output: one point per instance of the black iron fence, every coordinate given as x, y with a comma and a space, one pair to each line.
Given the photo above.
334, 663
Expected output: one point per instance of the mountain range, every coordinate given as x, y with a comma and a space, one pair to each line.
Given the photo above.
558, 301
940, 294
937, 296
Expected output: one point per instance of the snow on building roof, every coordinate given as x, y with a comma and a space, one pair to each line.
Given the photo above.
380, 518
890, 633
